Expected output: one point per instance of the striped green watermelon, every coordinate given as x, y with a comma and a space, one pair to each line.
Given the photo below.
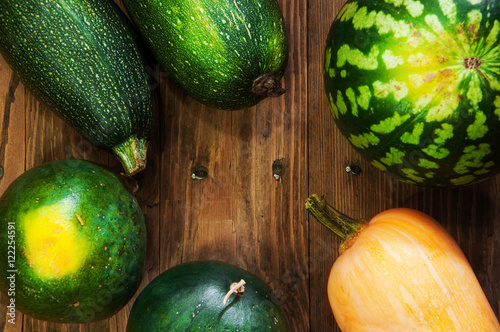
415, 87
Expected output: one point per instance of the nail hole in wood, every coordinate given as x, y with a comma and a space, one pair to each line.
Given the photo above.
199, 173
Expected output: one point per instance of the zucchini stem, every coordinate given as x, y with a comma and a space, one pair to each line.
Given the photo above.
132, 154
346, 228
267, 85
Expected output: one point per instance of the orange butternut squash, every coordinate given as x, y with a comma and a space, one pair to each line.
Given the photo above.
401, 271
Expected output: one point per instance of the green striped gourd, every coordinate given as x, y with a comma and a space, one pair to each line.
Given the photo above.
226, 54
414, 86
81, 58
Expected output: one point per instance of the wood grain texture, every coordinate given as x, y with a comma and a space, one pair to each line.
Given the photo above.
240, 213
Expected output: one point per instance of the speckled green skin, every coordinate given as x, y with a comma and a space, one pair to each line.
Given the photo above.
189, 297
80, 57
215, 49
403, 94
113, 223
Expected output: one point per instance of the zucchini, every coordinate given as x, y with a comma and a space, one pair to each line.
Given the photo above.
225, 54
82, 59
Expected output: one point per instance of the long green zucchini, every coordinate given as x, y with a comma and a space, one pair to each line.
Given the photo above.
81, 58
228, 54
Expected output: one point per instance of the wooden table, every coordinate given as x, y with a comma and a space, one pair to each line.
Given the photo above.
241, 213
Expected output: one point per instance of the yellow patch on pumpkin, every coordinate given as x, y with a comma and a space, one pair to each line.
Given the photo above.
54, 246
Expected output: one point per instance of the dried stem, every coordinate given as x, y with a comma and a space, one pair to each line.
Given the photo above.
237, 288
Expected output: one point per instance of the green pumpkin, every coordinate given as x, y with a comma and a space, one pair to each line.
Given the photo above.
190, 297
415, 87
73, 243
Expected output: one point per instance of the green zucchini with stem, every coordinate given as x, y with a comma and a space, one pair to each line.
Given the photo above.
225, 54
83, 59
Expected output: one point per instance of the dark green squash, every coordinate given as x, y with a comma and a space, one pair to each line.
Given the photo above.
72, 242
190, 297
81, 58
225, 54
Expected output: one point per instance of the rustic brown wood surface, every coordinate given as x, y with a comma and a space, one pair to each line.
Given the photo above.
240, 213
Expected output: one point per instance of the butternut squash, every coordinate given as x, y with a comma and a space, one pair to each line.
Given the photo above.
401, 271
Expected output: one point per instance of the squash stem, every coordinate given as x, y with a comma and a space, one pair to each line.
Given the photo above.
236, 288
341, 225
132, 154
268, 85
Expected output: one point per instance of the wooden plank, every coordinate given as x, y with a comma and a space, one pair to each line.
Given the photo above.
323, 148
12, 126
238, 213
228, 215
